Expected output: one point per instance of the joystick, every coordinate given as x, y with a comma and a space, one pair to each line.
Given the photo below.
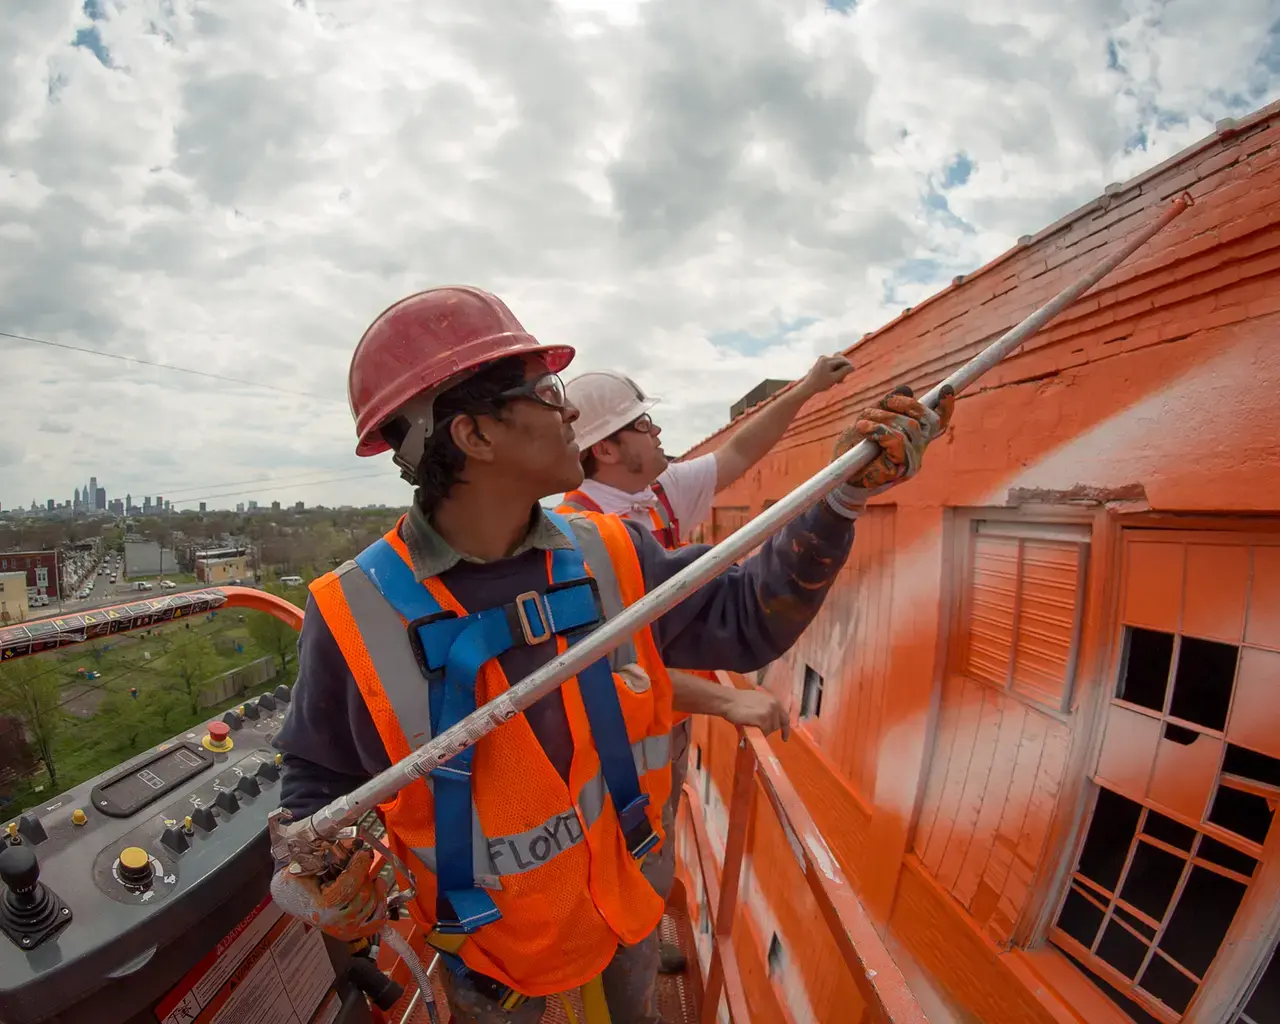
29, 910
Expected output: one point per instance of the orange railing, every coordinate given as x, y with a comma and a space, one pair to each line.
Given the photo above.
884, 991
50, 632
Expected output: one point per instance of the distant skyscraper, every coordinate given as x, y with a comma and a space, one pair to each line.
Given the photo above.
100, 499
75, 502
203, 507
49, 505
159, 503
93, 490
128, 503
146, 504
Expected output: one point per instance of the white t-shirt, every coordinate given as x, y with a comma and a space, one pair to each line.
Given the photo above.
690, 487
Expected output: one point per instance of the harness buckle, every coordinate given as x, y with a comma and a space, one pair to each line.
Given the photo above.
543, 631
414, 629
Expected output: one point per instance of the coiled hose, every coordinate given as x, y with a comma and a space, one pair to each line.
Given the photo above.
421, 974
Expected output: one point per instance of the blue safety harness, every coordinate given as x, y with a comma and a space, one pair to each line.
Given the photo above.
450, 651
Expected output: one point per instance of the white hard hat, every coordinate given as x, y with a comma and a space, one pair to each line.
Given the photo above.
606, 402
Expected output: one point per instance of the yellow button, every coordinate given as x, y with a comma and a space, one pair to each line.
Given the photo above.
279, 759
188, 824
134, 858
78, 817
12, 829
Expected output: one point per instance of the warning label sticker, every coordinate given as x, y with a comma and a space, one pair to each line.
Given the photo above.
271, 969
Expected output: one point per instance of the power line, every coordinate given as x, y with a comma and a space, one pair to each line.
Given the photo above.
258, 481
276, 487
165, 366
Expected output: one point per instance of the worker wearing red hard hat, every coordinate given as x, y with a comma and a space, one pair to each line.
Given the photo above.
529, 850
627, 473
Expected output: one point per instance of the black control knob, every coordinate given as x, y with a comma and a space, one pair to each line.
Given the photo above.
248, 785
282, 693
19, 869
267, 702
176, 839
251, 711
29, 911
227, 801
204, 819
233, 719
268, 771
134, 865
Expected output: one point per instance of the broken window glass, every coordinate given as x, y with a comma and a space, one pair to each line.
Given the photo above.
1148, 655
1202, 684
1245, 814
1152, 878
1200, 920
1115, 820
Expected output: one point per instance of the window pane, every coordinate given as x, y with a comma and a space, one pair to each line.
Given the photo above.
1148, 655
1200, 921
1115, 819
1122, 950
1202, 686
1079, 918
1169, 831
1168, 984
1152, 878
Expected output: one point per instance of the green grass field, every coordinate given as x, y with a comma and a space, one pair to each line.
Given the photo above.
103, 724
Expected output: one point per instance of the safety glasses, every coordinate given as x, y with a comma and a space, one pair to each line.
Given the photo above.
643, 424
546, 390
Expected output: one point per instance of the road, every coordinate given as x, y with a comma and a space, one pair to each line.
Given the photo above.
106, 594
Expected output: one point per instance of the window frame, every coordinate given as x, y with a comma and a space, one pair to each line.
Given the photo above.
1048, 522
1256, 926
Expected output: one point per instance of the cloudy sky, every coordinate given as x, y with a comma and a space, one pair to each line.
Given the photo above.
702, 193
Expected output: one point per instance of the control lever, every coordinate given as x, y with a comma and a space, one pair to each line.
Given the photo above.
29, 910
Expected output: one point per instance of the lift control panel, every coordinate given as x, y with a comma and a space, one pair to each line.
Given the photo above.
116, 891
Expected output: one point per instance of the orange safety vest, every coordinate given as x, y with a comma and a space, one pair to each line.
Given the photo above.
666, 529
552, 857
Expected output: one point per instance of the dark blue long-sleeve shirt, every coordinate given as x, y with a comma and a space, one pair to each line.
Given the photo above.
742, 620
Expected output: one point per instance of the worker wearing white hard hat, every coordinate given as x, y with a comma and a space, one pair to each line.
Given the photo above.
628, 474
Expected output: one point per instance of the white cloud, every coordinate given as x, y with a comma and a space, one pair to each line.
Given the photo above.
243, 185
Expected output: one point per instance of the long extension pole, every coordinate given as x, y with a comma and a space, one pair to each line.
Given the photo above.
330, 820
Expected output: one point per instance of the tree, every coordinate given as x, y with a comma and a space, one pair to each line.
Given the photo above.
32, 693
272, 635
189, 665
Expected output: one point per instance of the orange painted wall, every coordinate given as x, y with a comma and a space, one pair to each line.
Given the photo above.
938, 793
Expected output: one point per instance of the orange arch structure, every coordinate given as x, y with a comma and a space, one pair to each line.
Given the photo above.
35, 636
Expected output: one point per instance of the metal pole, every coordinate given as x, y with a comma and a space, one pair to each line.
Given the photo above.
346, 810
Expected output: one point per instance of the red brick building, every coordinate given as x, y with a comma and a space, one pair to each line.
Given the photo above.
42, 569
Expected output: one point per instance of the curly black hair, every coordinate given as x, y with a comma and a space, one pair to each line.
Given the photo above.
442, 463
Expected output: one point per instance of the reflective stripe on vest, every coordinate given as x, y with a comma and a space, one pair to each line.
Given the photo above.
495, 856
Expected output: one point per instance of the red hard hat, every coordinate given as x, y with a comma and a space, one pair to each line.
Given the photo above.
421, 342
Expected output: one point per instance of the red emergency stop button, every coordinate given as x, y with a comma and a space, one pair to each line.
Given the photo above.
219, 737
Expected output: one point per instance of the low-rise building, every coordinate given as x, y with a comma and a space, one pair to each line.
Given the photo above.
14, 606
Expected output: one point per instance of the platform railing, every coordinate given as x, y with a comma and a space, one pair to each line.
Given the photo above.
875, 974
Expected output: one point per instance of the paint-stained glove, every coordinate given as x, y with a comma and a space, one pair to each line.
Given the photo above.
903, 428
342, 901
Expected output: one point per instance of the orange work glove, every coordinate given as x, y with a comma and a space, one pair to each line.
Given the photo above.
903, 428
350, 906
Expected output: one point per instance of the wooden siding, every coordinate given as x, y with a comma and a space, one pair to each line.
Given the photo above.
991, 794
